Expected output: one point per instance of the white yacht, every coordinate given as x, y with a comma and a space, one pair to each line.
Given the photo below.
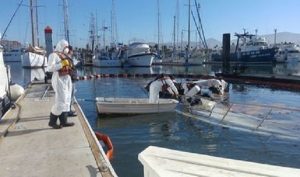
139, 54
13, 55
4, 99
288, 52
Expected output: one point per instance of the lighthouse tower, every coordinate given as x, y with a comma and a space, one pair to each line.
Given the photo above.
48, 40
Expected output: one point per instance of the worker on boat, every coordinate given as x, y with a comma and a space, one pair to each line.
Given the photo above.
215, 86
190, 91
60, 65
161, 84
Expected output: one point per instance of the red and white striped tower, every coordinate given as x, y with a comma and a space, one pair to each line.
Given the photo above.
48, 40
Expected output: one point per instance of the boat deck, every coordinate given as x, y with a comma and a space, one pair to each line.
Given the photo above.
29, 147
160, 162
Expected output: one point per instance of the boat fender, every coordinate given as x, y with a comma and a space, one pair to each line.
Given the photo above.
16, 91
106, 140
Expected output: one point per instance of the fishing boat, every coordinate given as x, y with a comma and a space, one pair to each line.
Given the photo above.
133, 105
139, 54
34, 57
253, 49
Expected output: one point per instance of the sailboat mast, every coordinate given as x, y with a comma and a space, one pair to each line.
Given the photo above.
32, 23
66, 20
189, 32
177, 18
174, 36
158, 27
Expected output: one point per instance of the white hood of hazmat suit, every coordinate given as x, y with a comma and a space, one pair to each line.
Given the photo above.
62, 85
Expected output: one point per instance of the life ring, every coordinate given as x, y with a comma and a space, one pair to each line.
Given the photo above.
108, 144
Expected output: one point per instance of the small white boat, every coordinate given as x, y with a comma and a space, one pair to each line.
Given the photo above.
133, 105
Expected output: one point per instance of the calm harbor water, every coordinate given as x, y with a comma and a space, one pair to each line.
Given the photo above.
132, 134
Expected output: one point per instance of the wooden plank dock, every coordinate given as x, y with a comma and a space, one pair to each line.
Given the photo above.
161, 162
29, 147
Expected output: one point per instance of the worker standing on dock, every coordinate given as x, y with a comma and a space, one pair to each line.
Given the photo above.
161, 84
61, 83
73, 75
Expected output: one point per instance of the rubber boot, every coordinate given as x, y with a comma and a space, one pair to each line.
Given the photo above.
53, 120
63, 120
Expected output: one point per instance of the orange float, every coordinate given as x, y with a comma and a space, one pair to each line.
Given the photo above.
106, 140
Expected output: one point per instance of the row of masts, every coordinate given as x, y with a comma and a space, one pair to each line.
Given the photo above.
94, 37
176, 24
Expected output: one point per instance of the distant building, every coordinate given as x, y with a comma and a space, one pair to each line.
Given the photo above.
8, 45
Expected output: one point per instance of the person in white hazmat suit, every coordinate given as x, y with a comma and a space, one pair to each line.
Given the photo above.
61, 83
218, 86
162, 83
190, 90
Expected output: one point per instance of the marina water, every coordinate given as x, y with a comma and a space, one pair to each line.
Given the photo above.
132, 134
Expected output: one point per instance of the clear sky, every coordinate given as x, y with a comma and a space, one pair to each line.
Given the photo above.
137, 19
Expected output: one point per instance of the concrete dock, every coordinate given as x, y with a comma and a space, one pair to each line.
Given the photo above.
29, 147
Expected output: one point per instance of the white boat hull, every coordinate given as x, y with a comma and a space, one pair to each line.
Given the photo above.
4, 100
33, 60
134, 105
141, 59
107, 63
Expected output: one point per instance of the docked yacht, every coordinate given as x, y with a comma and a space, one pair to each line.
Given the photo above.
139, 54
288, 52
4, 98
14, 55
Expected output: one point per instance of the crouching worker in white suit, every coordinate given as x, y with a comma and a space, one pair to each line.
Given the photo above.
161, 84
214, 85
62, 85
190, 90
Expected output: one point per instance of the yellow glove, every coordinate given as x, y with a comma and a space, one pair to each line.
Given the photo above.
65, 63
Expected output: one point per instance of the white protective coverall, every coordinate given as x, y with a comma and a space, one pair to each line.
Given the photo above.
205, 84
62, 85
192, 92
156, 87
